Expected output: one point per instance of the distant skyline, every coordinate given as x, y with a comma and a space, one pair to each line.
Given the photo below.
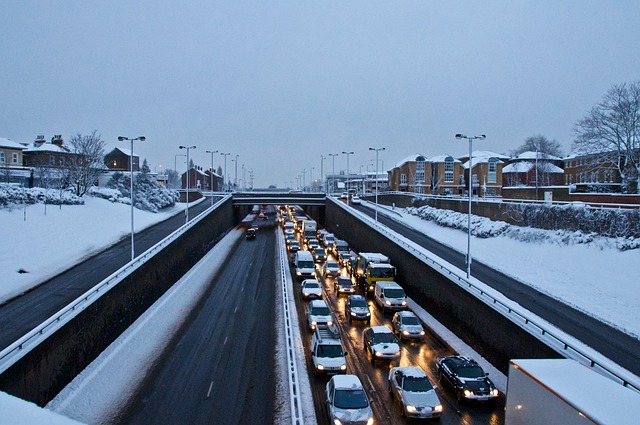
282, 83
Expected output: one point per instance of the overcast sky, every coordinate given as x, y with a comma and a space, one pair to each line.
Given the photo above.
281, 83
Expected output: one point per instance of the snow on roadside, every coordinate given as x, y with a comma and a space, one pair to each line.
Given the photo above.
99, 392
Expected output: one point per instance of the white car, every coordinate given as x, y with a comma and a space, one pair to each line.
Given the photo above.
347, 403
330, 268
381, 343
313, 244
311, 289
318, 314
356, 200
405, 324
417, 396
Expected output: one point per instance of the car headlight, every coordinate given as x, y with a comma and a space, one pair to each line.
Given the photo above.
352, 313
313, 323
337, 422
388, 303
370, 421
421, 333
411, 408
368, 313
397, 353
299, 273
494, 392
437, 408
405, 332
378, 354
306, 294
343, 367
329, 323
468, 393
404, 303
320, 367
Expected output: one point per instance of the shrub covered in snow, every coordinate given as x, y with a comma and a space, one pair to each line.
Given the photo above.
485, 228
14, 196
149, 194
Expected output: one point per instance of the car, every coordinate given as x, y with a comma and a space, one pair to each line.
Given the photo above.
405, 324
318, 314
330, 268
466, 377
344, 195
319, 255
381, 343
356, 308
356, 200
311, 289
328, 240
347, 402
294, 246
344, 285
313, 244
346, 258
289, 238
250, 233
327, 354
262, 216
417, 396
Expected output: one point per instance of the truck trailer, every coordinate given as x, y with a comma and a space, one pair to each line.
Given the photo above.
563, 391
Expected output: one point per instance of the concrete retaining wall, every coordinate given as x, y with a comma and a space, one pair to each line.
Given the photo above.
42, 373
490, 333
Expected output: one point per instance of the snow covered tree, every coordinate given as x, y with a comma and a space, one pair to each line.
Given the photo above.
145, 167
612, 130
540, 144
88, 163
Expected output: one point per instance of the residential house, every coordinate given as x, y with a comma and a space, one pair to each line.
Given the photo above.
410, 175
533, 169
118, 160
201, 180
588, 171
48, 160
486, 175
447, 175
12, 169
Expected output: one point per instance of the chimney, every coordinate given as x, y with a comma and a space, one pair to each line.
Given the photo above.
57, 140
40, 140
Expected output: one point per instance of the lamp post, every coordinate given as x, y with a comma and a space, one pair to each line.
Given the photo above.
212, 152
186, 220
470, 139
304, 180
333, 177
235, 179
311, 179
224, 180
376, 177
347, 180
322, 186
131, 139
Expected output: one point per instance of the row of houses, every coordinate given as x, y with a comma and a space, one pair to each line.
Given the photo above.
448, 175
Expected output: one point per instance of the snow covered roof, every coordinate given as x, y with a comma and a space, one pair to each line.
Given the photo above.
526, 166
413, 371
442, 158
125, 151
346, 381
6, 143
483, 154
481, 160
539, 155
46, 147
410, 158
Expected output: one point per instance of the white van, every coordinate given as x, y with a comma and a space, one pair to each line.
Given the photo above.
390, 296
304, 265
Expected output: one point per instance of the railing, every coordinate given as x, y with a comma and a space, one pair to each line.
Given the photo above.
295, 398
555, 338
14, 352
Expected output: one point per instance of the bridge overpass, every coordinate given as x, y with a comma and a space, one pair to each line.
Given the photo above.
278, 198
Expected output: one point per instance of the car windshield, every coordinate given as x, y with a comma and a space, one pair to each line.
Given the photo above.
470, 372
350, 399
394, 293
305, 264
320, 311
332, 265
312, 285
416, 384
410, 320
345, 283
381, 338
358, 303
330, 351
381, 272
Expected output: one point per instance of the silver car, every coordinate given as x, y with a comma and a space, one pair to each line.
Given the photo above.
331, 268
417, 396
318, 314
405, 324
347, 403
311, 289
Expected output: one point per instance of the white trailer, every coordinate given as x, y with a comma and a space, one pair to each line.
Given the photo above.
563, 391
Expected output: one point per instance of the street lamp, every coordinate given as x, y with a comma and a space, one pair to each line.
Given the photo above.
235, 179
224, 180
333, 179
322, 185
347, 180
311, 179
187, 210
470, 139
376, 177
212, 152
131, 139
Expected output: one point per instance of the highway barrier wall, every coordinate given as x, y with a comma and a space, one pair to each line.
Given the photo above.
491, 334
51, 365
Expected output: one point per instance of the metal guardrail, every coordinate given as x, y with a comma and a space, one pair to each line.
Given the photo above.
14, 352
295, 398
555, 338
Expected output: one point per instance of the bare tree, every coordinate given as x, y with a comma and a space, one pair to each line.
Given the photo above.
87, 163
539, 143
612, 129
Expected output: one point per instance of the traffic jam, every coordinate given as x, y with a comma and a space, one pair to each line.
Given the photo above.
370, 358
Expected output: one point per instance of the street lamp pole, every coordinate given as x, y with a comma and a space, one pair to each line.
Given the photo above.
322, 185
186, 220
224, 180
470, 139
376, 177
333, 177
235, 179
121, 139
311, 179
212, 190
347, 180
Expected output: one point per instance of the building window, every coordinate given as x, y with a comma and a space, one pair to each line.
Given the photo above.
403, 179
420, 161
3, 157
14, 158
448, 170
492, 177
475, 180
52, 160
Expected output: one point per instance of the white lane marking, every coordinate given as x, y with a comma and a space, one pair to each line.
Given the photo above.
235, 310
210, 387
225, 340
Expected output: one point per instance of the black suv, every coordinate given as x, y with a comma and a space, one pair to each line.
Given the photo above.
466, 377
